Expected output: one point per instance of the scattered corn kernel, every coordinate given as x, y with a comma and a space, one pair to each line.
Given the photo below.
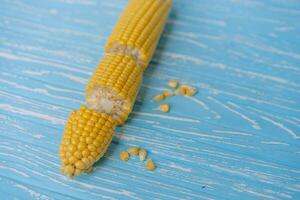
124, 155
181, 91
164, 107
142, 154
159, 97
173, 83
133, 151
168, 93
191, 91
150, 165
186, 90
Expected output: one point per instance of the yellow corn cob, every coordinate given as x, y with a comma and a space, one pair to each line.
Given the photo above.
113, 87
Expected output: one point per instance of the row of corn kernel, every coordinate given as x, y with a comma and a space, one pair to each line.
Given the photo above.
142, 153
119, 72
140, 27
186, 90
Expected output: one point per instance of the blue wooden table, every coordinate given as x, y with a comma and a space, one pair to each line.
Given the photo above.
238, 138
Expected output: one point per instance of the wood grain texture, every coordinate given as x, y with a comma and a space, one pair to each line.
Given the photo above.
238, 138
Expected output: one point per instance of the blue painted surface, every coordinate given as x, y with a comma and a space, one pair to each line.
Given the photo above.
238, 138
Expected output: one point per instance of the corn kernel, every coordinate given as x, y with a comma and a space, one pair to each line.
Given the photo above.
78, 154
69, 170
159, 97
173, 83
142, 154
191, 91
133, 151
72, 159
168, 93
164, 107
94, 153
82, 146
82, 107
80, 165
91, 159
181, 91
85, 153
72, 148
124, 155
86, 161
90, 169
92, 148
150, 165
186, 90
77, 172
89, 140
62, 169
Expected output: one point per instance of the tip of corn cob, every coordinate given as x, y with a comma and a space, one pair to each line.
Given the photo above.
86, 138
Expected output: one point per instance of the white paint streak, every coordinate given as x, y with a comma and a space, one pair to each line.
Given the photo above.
10, 56
36, 73
274, 143
188, 40
17, 157
270, 49
166, 117
80, 2
201, 103
263, 76
34, 194
14, 170
233, 132
253, 123
38, 136
40, 91
215, 22
9, 108
194, 35
74, 78
205, 107
119, 192
186, 58
154, 88
189, 132
245, 189
178, 167
281, 126
60, 89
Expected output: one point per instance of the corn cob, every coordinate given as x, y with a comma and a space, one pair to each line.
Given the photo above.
112, 89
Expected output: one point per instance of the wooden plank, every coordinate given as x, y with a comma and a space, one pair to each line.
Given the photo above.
238, 138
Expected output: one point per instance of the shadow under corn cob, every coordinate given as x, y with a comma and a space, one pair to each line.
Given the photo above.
112, 89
